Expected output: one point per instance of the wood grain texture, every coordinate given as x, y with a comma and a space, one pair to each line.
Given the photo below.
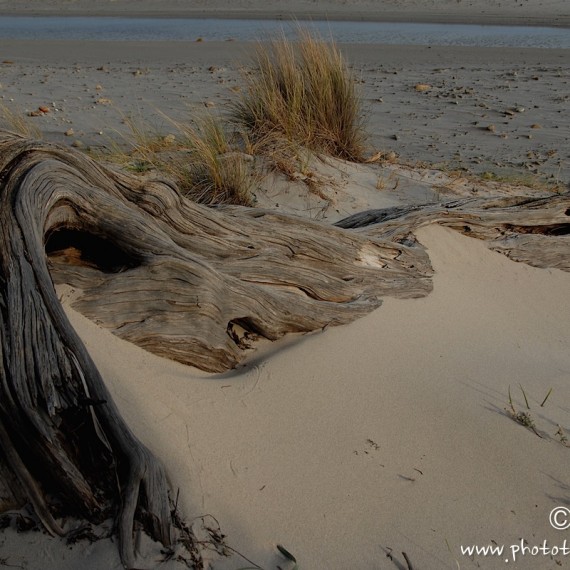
533, 230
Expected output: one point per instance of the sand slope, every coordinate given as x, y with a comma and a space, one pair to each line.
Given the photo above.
389, 433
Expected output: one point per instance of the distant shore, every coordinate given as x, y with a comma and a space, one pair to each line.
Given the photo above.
485, 12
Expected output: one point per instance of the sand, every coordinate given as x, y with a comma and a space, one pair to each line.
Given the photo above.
391, 434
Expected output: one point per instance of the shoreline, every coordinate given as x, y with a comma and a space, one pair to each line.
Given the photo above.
172, 51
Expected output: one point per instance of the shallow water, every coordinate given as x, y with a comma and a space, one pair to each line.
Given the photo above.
159, 29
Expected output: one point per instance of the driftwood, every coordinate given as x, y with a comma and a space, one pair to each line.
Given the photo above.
533, 230
183, 281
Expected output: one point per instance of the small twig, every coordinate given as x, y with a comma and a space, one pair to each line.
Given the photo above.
244, 557
410, 567
546, 398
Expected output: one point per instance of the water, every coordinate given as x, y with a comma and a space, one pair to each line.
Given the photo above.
159, 29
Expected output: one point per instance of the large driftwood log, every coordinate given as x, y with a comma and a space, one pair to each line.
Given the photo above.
179, 279
62, 438
183, 281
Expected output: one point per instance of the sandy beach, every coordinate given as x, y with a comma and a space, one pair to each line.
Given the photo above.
392, 434
488, 109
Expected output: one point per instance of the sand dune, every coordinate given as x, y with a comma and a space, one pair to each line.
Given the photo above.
356, 444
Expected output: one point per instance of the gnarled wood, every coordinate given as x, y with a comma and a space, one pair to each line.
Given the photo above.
179, 279
185, 282
534, 230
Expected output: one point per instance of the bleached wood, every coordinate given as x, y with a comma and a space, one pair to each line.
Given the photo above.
533, 230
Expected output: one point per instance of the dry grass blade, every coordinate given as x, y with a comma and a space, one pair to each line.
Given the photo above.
546, 398
17, 123
512, 406
202, 160
525, 398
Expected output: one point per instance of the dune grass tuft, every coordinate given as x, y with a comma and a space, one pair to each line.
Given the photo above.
305, 92
206, 163
301, 99
217, 171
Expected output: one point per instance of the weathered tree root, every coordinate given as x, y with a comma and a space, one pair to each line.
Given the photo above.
185, 282
61, 435
533, 230
179, 279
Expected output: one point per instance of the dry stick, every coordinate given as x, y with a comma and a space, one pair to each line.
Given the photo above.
546, 398
410, 567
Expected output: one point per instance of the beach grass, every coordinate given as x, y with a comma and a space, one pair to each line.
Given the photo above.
300, 99
207, 164
217, 170
17, 123
303, 91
